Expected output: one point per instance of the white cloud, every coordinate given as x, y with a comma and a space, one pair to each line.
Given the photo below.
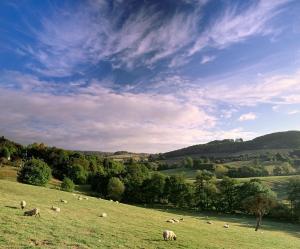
206, 59
247, 116
236, 25
69, 41
96, 118
293, 112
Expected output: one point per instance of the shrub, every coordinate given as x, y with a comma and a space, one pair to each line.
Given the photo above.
35, 172
67, 184
115, 188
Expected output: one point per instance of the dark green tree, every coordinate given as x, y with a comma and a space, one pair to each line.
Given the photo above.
35, 172
153, 188
115, 189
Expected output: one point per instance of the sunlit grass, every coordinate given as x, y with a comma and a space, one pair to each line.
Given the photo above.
78, 225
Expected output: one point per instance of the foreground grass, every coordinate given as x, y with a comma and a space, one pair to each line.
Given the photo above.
78, 225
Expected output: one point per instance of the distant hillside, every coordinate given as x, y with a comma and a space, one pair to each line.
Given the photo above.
280, 140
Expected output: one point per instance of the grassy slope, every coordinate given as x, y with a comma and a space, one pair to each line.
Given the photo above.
78, 225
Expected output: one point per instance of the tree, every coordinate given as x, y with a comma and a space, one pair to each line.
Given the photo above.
77, 173
228, 193
178, 191
188, 162
5, 152
153, 188
67, 184
115, 188
206, 189
259, 201
35, 172
294, 196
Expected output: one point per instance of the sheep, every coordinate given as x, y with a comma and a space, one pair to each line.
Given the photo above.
23, 204
169, 235
86, 198
175, 220
56, 209
181, 219
226, 226
63, 201
209, 222
79, 198
34, 212
103, 215
171, 221
117, 202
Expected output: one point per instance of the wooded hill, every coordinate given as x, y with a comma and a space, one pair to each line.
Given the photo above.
289, 140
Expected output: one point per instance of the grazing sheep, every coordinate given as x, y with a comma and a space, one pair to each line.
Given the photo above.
226, 226
86, 198
79, 198
209, 222
117, 202
181, 219
34, 212
23, 204
103, 215
63, 201
169, 235
56, 209
171, 221
175, 220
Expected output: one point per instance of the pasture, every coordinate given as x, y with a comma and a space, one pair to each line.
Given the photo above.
79, 225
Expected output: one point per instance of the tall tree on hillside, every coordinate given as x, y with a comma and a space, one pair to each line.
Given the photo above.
259, 202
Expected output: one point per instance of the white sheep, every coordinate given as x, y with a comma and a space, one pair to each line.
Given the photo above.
86, 198
209, 222
63, 201
34, 212
175, 220
169, 235
226, 226
23, 204
56, 209
79, 198
103, 215
171, 221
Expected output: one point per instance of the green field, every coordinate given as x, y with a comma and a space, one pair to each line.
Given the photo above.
78, 225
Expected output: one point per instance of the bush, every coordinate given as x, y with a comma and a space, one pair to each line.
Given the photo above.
35, 172
67, 185
115, 188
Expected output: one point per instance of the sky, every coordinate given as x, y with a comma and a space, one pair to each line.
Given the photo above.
146, 75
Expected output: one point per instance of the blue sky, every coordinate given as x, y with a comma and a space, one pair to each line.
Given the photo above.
147, 76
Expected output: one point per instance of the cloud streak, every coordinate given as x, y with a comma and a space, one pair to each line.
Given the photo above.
85, 35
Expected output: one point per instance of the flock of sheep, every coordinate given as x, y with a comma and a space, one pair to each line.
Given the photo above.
167, 234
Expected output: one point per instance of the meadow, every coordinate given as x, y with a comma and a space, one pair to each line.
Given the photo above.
79, 225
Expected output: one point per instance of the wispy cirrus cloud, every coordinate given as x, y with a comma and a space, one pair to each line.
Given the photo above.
236, 25
72, 40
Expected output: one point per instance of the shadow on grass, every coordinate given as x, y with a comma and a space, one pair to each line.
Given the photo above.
240, 220
12, 207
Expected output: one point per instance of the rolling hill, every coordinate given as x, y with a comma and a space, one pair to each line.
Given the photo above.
79, 225
285, 141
